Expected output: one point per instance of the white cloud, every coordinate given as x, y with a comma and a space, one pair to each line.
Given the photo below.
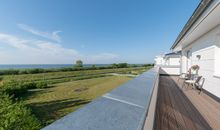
49, 35
13, 41
34, 51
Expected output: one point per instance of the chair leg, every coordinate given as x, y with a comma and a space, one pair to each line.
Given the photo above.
200, 91
183, 85
187, 85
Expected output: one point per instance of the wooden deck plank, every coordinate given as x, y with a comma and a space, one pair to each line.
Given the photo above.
184, 109
179, 119
170, 113
180, 105
201, 104
158, 126
164, 119
194, 116
208, 107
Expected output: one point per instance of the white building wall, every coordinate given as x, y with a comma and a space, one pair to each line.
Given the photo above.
174, 61
168, 70
167, 61
206, 46
159, 60
183, 62
169, 64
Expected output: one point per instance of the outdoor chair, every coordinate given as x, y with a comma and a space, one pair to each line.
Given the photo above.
195, 81
200, 84
184, 76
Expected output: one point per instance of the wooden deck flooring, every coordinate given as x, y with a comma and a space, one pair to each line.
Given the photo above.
184, 109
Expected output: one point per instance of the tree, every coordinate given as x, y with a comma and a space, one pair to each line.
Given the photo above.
94, 66
79, 64
122, 65
147, 65
114, 65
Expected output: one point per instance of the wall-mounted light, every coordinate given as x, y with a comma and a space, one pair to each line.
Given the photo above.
198, 57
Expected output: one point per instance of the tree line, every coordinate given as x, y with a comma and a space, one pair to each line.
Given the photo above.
77, 67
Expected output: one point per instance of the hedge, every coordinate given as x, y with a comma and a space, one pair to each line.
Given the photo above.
15, 116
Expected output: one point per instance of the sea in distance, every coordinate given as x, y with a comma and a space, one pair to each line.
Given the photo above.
44, 66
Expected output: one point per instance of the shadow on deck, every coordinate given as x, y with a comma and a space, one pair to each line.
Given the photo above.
183, 108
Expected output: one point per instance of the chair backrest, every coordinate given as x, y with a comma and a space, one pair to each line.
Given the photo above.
201, 83
198, 79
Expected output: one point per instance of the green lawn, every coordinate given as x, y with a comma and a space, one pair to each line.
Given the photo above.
53, 103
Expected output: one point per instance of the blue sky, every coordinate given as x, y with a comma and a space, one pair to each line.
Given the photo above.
96, 31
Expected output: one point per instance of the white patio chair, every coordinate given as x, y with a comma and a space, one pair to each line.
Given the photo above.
184, 76
193, 82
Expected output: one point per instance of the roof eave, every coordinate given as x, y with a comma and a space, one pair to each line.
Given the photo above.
203, 5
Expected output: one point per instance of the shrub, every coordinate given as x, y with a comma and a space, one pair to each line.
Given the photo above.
15, 116
94, 67
13, 88
133, 65
28, 85
23, 71
42, 84
148, 65
17, 88
35, 71
122, 65
66, 69
9, 72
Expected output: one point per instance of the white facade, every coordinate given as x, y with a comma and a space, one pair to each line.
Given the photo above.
172, 60
205, 52
201, 46
159, 60
169, 63
167, 60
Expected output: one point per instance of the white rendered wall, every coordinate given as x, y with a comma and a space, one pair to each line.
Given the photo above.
167, 61
183, 62
159, 60
207, 47
168, 70
174, 61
